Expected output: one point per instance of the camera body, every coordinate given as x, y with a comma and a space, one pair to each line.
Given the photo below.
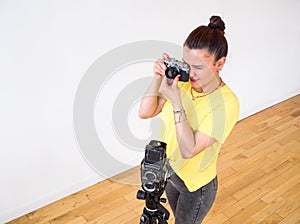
153, 167
176, 67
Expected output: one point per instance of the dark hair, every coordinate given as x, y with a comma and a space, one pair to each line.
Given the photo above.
210, 37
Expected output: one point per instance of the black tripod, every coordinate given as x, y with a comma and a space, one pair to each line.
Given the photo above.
153, 212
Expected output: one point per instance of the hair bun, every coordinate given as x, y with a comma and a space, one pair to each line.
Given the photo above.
216, 22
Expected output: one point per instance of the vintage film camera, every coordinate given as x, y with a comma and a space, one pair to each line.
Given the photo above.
153, 169
154, 175
175, 67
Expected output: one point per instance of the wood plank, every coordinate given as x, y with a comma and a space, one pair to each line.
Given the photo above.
268, 210
293, 202
294, 217
279, 190
266, 182
57, 208
78, 220
246, 212
272, 219
218, 218
242, 204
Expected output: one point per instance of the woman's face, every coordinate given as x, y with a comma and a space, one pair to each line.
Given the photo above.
203, 68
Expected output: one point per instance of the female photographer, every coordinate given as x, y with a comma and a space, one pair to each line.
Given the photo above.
197, 118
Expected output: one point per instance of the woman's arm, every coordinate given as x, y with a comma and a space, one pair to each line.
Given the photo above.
152, 101
190, 143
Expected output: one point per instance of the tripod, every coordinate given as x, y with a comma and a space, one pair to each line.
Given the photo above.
153, 212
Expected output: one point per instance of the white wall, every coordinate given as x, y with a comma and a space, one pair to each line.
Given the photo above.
47, 46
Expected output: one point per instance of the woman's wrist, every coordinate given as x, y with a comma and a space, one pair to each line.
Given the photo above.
178, 111
154, 86
177, 106
179, 116
158, 78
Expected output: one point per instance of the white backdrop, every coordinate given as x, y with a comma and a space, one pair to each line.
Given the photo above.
47, 46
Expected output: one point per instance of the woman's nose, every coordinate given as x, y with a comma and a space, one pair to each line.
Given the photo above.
192, 73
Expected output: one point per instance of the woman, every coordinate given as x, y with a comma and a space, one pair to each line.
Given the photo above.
197, 118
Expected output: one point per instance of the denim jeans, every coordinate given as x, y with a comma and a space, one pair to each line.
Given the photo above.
190, 207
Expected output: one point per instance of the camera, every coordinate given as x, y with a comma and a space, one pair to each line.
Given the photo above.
153, 167
176, 67
154, 173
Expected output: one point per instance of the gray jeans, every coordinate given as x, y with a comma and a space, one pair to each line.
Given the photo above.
190, 207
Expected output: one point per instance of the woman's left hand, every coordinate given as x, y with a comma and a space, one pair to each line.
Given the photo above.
170, 89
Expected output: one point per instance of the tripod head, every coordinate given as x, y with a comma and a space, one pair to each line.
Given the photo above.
153, 212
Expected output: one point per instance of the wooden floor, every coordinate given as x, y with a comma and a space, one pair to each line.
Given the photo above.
259, 180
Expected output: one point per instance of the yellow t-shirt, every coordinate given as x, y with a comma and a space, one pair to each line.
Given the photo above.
215, 115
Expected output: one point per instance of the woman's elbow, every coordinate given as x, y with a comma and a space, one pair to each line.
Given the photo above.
144, 114
188, 154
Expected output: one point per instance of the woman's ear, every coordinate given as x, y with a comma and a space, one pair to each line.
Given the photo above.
220, 63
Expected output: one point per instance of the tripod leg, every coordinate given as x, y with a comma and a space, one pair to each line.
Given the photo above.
145, 217
162, 220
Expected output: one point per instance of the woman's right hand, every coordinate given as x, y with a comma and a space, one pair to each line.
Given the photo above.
159, 67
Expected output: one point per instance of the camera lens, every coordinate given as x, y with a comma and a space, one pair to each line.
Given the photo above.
149, 186
150, 176
171, 72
